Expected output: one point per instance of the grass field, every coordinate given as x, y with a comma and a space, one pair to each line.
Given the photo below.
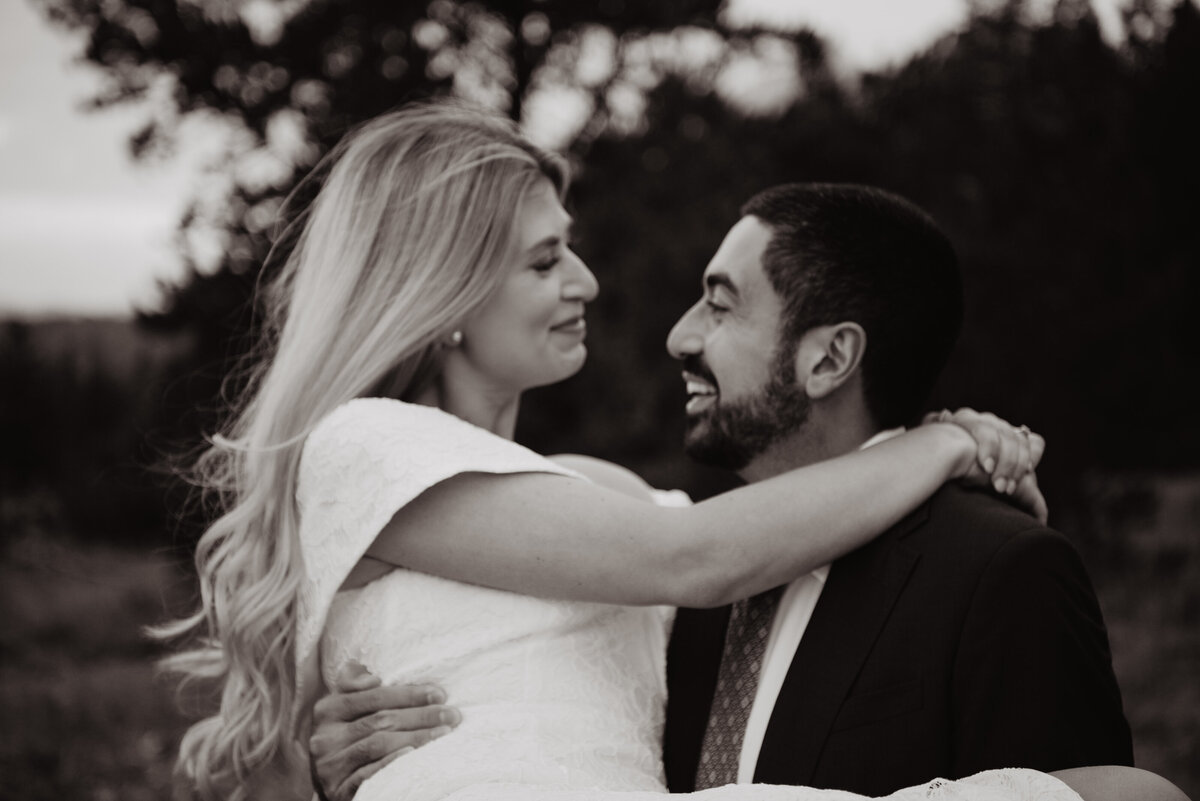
82, 715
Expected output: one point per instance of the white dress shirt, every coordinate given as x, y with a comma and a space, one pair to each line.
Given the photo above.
791, 619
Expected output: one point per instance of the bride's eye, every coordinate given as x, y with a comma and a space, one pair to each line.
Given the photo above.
545, 265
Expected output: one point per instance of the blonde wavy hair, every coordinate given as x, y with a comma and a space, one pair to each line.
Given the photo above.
405, 240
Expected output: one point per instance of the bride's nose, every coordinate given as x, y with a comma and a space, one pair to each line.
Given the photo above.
580, 283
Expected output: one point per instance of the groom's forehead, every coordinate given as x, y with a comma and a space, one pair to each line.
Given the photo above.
737, 265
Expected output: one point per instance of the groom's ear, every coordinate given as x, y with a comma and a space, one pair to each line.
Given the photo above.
828, 356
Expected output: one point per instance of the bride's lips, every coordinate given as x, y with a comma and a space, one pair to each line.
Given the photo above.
702, 393
575, 326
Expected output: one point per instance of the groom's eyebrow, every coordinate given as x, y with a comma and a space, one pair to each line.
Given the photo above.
713, 281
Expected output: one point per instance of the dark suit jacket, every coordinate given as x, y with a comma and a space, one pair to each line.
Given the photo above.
966, 638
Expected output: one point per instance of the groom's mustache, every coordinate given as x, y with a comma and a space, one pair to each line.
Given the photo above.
695, 365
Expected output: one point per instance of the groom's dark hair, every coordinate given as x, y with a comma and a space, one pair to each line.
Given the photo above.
847, 253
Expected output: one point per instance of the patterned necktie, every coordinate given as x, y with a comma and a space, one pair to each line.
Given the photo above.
737, 681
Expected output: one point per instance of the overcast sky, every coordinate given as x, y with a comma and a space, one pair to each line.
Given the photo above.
85, 230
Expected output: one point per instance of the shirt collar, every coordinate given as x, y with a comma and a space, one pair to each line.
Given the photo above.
882, 436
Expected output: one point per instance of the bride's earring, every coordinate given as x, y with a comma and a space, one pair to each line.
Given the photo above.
456, 338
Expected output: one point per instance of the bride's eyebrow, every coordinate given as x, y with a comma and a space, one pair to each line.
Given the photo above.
553, 240
545, 243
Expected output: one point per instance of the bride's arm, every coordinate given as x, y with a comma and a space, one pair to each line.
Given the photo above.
1119, 783
606, 474
598, 471
557, 537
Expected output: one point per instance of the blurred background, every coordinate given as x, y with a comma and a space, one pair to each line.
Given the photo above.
146, 145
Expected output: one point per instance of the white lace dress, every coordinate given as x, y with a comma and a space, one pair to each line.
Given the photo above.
560, 700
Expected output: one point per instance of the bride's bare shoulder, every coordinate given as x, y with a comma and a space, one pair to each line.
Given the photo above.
606, 474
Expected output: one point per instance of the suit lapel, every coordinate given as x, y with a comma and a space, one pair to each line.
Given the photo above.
858, 597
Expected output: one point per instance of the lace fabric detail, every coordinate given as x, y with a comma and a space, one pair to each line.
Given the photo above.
364, 461
1013, 784
560, 700
552, 693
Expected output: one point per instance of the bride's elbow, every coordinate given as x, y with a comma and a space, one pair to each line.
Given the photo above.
699, 576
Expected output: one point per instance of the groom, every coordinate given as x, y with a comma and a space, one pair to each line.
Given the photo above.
965, 638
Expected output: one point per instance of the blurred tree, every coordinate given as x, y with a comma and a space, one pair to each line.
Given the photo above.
292, 77
18, 375
1063, 168
73, 435
1061, 165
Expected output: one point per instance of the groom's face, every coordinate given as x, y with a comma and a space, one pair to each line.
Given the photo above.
741, 380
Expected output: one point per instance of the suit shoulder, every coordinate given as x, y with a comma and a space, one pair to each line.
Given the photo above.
977, 526
953, 504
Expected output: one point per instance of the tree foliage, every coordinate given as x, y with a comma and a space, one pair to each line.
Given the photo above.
1063, 167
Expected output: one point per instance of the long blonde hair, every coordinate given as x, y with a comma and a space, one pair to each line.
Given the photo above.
402, 244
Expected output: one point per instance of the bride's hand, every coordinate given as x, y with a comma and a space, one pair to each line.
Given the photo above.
1006, 457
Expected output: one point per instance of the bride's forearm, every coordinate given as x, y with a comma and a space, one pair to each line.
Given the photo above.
778, 529
563, 538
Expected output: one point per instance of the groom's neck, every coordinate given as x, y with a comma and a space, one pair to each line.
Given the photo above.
825, 435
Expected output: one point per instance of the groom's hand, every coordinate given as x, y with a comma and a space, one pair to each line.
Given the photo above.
361, 726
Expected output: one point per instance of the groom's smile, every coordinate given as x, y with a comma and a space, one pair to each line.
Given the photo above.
741, 388
701, 386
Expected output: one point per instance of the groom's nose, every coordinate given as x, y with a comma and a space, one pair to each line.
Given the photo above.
685, 338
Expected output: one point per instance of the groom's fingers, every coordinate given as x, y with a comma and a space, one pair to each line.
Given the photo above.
363, 726
350, 788
343, 771
417, 719
354, 705
353, 741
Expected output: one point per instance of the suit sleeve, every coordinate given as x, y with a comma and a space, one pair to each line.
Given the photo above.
1034, 685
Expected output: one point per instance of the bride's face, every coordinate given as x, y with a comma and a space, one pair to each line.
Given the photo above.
531, 332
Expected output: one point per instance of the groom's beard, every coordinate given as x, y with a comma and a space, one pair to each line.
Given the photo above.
731, 434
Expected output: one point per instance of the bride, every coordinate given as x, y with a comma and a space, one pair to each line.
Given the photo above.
431, 283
